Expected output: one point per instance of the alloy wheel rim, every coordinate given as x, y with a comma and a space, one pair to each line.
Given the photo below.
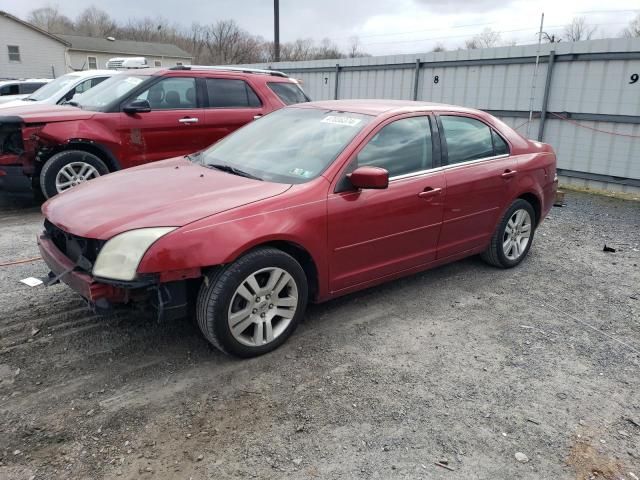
262, 307
73, 174
517, 234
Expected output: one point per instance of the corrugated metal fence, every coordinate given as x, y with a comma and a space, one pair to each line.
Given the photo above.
586, 100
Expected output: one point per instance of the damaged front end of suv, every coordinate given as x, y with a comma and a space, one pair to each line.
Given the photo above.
18, 151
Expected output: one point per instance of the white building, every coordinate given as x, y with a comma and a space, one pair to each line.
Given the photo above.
28, 51
87, 53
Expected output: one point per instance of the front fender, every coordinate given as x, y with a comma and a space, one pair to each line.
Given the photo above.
62, 133
222, 238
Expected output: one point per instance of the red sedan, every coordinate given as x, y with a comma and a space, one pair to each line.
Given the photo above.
308, 203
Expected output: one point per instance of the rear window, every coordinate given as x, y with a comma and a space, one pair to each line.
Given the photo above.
228, 93
289, 93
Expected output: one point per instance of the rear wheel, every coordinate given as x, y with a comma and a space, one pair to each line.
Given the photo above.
253, 305
67, 169
512, 239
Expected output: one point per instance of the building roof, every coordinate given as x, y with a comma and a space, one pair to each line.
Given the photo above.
33, 27
123, 47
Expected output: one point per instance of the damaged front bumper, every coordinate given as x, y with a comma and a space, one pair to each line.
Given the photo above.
64, 269
13, 179
169, 300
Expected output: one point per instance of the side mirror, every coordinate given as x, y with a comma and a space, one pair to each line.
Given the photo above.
369, 177
137, 106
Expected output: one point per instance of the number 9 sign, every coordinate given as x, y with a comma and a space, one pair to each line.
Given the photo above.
634, 78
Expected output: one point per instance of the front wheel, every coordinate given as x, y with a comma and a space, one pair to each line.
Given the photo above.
512, 239
69, 168
253, 305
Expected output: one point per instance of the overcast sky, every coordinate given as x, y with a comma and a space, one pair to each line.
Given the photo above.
383, 27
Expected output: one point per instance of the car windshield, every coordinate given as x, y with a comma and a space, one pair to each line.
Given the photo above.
52, 89
110, 90
291, 145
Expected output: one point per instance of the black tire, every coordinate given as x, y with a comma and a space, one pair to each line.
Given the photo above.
218, 290
494, 254
58, 161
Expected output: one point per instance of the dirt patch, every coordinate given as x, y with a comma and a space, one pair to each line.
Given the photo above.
591, 462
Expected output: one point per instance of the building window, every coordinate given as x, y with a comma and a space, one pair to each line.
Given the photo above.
158, 63
179, 63
14, 53
93, 63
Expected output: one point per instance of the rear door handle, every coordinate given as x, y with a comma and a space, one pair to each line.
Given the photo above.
188, 120
508, 174
430, 192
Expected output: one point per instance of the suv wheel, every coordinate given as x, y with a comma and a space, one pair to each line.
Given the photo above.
512, 239
253, 305
67, 169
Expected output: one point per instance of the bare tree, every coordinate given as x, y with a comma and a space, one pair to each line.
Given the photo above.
439, 47
94, 22
223, 42
485, 39
50, 19
578, 30
354, 48
633, 30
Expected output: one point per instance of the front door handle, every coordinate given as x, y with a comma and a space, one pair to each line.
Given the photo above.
188, 120
508, 174
430, 192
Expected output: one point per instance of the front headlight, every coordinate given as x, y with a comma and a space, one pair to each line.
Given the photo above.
120, 256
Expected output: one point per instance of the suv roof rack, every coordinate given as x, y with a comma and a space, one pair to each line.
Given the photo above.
275, 73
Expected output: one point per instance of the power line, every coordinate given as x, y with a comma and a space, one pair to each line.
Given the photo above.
468, 35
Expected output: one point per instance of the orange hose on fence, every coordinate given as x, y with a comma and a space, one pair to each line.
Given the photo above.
17, 262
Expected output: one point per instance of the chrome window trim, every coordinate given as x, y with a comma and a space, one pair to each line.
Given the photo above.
483, 159
446, 167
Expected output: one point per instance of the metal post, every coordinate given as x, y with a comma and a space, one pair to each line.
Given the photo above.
545, 98
335, 92
416, 80
276, 30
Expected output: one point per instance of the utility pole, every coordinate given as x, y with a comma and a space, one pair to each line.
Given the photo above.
535, 74
276, 30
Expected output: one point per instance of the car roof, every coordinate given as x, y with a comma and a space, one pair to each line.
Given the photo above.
24, 80
377, 107
92, 73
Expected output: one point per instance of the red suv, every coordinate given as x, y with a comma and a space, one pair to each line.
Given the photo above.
133, 118
310, 202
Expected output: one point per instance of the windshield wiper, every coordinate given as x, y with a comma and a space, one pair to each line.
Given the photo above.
30, 99
71, 102
234, 170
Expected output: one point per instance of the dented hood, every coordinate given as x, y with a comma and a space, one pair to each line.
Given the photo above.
46, 113
170, 193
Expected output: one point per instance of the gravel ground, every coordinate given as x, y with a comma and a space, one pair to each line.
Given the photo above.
465, 365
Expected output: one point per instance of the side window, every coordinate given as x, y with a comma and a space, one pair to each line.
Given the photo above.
83, 87
29, 87
500, 147
289, 93
96, 81
228, 93
401, 147
10, 90
171, 94
467, 139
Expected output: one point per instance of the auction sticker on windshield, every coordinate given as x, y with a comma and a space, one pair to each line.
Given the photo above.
349, 121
